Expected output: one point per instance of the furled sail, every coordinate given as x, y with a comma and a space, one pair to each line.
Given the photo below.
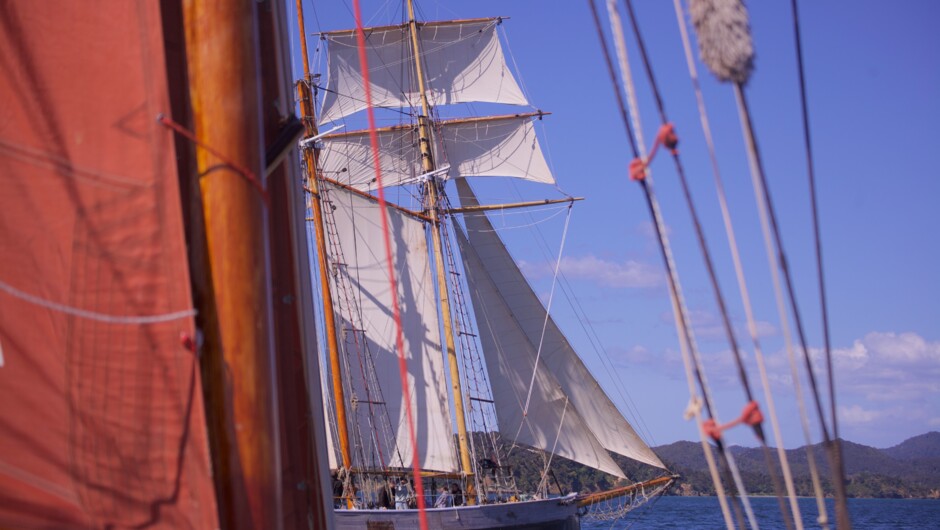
463, 62
558, 357
503, 146
369, 338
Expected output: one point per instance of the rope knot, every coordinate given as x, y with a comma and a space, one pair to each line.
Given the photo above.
637, 169
712, 429
667, 136
750, 415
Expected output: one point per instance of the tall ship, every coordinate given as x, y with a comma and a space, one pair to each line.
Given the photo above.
487, 371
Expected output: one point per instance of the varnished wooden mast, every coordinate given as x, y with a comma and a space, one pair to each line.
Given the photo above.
424, 140
221, 51
310, 158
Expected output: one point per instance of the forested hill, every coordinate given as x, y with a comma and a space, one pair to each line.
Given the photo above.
908, 470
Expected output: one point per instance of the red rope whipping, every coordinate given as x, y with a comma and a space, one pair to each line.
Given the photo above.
399, 341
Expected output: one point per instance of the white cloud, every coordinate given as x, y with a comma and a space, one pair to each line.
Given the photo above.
648, 229
708, 325
856, 415
765, 329
628, 273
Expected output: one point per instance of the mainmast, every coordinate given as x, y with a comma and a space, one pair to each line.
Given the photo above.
310, 158
424, 141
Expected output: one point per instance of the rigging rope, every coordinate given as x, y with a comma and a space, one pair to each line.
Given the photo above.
753, 162
249, 175
667, 132
739, 270
839, 467
694, 366
396, 310
723, 27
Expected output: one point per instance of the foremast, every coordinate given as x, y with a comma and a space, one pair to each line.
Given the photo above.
310, 154
427, 161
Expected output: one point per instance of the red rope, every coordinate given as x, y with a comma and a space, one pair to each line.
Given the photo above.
402, 366
751, 415
666, 137
241, 170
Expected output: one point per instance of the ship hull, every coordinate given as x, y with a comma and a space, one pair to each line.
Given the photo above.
549, 514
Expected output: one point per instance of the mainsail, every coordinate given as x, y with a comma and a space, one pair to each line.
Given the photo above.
463, 63
504, 146
367, 334
498, 283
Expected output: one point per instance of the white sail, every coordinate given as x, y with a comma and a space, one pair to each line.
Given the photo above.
551, 423
558, 357
503, 147
364, 267
463, 62
326, 389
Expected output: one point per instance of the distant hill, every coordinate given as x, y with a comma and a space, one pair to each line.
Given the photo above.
910, 469
918, 447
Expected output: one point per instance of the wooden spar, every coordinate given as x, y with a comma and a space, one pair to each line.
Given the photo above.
221, 50
601, 496
404, 473
424, 142
329, 317
439, 24
364, 195
454, 121
465, 209
508, 206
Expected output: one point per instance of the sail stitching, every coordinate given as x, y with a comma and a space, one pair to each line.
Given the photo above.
94, 315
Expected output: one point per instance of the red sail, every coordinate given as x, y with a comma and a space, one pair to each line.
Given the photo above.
101, 411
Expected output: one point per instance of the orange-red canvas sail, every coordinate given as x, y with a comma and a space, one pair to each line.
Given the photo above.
101, 413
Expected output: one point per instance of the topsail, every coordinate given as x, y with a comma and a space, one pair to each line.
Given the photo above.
499, 146
463, 63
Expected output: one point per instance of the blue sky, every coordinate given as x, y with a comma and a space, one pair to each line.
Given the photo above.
873, 82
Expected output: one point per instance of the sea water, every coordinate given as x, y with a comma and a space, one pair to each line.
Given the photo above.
705, 512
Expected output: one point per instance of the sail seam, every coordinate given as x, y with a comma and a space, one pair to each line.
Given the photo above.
94, 315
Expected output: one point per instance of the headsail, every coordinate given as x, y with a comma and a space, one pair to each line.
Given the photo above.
598, 412
371, 333
552, 423
463, 63
503, 146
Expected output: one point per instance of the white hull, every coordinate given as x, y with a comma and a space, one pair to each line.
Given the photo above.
560, 514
